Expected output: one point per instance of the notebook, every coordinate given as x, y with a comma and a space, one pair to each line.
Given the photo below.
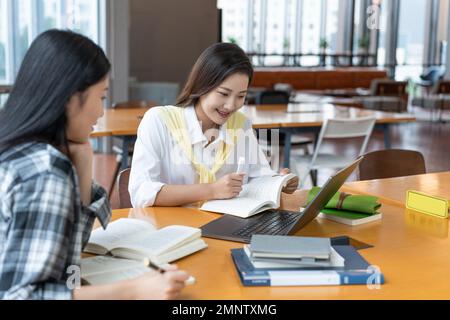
349, 218
105, 269
335, 261
258, 195
137, 239
273, 246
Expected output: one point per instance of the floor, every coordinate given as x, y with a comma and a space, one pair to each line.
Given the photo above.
430, 138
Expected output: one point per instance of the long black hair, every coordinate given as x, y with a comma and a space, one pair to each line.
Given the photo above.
57, 65
214, 65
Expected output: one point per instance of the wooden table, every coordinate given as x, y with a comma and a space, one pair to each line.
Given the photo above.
288, 118
393, 190
300, 118
412, 251
119, 122
5, 89
343, 97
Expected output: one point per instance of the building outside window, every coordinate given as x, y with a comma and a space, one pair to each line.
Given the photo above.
22, 20
411, 37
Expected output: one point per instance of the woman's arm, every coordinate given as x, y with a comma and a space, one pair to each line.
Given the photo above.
227, 187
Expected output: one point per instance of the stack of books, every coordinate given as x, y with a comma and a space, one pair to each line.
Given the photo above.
285, 252
301, 261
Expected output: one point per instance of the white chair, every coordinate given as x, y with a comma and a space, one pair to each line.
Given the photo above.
334, 129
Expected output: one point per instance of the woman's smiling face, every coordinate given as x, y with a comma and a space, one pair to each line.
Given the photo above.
219, 104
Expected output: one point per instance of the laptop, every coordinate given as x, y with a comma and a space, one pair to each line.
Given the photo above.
277, 222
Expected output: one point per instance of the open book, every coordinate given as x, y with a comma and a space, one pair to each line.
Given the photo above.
105, 269
258, 195
137, 239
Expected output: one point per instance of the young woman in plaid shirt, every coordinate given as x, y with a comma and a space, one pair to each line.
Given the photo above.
48, 202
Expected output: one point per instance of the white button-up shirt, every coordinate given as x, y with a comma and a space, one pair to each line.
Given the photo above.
159, 160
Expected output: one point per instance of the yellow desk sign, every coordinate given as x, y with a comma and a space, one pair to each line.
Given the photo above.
424, 203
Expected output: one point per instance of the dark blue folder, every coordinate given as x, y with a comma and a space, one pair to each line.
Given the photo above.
356, 271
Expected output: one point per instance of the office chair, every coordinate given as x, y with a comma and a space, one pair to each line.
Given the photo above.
124, 195
387, 95
437, 100
431, 76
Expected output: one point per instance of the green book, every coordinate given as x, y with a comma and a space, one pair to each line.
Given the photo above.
349, 209
348, 217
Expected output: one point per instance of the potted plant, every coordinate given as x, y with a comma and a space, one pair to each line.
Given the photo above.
232, 40
364, 43
363, 48
323, 45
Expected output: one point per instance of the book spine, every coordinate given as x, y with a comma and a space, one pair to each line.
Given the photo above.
324, 278
331, 278
361, 278
256, 282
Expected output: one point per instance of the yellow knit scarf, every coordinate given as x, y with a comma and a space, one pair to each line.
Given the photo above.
174, 119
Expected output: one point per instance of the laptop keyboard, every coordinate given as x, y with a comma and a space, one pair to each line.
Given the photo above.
269, 223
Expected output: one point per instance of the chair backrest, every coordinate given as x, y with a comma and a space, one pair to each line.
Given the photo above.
132, 104
345, 128
391, 163
287, 87
272, 97
387, 87
433, 74
124, 195
441, 87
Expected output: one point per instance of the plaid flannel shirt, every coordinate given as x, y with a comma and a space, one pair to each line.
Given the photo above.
43, 225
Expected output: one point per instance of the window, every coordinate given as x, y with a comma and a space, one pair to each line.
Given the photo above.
280, 24
22, 20
410, 46
3, 41
274, 29
234, 17
310, 31
382, 34
443, 27
331, 23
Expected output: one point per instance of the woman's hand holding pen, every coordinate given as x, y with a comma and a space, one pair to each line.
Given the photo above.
160, 286
228, 186
292, 184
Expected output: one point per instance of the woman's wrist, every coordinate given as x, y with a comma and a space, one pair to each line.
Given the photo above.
210, 191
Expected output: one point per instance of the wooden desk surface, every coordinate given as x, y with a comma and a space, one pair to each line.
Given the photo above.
313, 115
119, 122
412, 251
393, 190
125, 122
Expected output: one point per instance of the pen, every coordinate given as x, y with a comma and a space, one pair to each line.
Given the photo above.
241, 164
148, 263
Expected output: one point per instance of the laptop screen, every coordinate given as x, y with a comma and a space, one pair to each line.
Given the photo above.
327, 192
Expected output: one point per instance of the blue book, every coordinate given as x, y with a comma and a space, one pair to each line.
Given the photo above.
356, 271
